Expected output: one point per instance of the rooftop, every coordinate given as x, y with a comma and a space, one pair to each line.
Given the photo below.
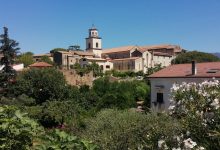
142, 48
82, 53
204, 70
40, 64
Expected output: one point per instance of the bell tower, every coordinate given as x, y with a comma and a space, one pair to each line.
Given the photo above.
94, 42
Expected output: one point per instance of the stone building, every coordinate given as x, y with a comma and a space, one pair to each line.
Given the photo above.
126, 58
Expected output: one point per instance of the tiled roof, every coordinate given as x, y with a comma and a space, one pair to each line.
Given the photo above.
161, 54
117, 49
82, 53
142, 48
40, 64
121, 59
162, 46
95, 59
204, 70
40, 55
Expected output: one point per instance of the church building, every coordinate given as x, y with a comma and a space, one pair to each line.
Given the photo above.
126, 58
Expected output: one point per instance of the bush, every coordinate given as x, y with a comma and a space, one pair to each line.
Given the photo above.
198, 108
114, 130
20, 132
17, 130
41, 84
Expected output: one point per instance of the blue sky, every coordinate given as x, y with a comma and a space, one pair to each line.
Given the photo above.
41, 25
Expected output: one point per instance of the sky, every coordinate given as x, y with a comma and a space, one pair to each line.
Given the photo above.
42, 25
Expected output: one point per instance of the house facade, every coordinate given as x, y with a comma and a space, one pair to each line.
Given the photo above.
163, 80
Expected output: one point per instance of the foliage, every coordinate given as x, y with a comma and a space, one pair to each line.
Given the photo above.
41, 84
198, 107
20, 101
88, 68
188, 57
58, 49
26, 59
20, 132
60, 113
124, 74
156, 68
17, 130
120, 95
9, 50
46, 59
57, 140
115, 129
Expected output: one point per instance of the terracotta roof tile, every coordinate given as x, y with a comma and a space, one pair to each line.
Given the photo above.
118, 49
142, 48
121, 59
40, 64
185, 71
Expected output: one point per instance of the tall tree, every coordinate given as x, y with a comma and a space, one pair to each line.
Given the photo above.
9, 49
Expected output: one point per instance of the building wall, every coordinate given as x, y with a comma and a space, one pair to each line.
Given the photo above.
139, 64
93, 42
124, 65
119, 55
98, 53
163, 60
163, 85
58, 58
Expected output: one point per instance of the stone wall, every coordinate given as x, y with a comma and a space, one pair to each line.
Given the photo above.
73, 78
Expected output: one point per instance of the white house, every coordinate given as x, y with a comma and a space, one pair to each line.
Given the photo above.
163, 80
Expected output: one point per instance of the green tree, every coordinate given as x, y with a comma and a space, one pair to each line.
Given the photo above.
9, 49
156, 68
26, 59
41, 84
188, 57
47, 60
57, 49
121, 130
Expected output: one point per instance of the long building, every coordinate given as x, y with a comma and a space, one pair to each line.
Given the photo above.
126, 58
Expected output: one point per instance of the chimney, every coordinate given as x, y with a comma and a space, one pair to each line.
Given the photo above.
194, 70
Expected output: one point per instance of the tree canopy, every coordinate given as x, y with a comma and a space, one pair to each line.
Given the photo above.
26, 59
194, 55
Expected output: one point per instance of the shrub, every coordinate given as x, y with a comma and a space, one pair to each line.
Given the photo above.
17, 130
198, 108
114, 130
41, 84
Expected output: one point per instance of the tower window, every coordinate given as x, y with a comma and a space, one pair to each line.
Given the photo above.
89, 45
97, 45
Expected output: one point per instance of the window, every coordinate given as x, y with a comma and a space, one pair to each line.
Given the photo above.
107, 67
97, 45
159, 98
89, 45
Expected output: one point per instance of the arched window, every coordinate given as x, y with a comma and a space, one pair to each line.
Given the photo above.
89, 45
97, 44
